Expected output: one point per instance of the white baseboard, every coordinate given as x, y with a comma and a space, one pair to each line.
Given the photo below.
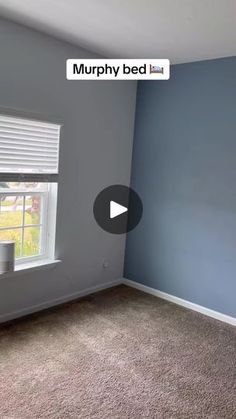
184, 303
187, 304
52, 303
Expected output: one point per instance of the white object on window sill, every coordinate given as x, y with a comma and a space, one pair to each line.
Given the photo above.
31, 266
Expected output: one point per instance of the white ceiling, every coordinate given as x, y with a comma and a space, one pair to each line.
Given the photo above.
181, 30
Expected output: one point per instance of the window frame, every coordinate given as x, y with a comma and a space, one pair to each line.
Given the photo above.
51, 180
47, 222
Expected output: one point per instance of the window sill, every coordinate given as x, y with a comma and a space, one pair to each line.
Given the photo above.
31, 266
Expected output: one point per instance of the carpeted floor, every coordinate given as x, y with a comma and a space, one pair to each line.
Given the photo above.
118, 354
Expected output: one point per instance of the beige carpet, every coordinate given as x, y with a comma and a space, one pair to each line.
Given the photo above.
118, 354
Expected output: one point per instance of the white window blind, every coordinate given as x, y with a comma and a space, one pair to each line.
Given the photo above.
28, 147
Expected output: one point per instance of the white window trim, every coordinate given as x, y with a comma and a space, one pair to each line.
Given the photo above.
51, 220
49, 260
31, 267
49, 226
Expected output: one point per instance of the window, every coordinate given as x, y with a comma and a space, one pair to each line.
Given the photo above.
28, 186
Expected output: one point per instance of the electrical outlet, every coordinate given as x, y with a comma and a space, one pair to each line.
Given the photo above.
105, 264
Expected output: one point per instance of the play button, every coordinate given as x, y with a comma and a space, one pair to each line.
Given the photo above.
117, 209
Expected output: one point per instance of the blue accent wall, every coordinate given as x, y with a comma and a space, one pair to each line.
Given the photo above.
184, 169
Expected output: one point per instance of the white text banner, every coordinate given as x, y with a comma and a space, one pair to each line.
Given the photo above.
106, 69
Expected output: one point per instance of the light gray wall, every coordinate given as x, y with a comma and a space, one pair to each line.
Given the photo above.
95, 152
184, 168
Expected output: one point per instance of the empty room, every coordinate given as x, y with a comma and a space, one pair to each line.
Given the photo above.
117, 209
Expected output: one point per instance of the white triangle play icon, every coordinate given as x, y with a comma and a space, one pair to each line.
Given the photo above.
116, 209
